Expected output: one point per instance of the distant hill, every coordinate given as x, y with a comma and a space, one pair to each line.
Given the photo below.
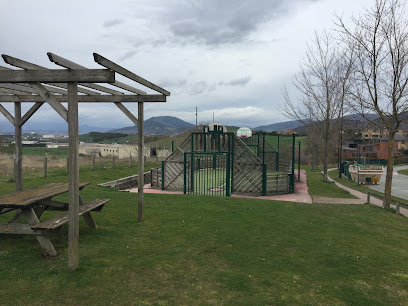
280, 126
163, 125
45, 128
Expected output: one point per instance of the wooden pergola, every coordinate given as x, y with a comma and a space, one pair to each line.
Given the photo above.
72, 84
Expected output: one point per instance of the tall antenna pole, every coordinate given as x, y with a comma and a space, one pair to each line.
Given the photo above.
196, 117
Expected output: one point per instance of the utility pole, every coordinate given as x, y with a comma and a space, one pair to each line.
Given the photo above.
196, 117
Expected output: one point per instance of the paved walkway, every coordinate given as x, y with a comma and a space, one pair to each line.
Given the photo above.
362, 198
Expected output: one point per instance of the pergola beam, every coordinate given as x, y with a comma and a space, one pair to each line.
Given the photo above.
7, 114
126, 73
126, 112
58, 76
16, 62
31, 112
63, 62
50, 99
27, 88
86, 98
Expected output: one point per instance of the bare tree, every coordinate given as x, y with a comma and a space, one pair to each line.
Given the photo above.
322, 84
379, 41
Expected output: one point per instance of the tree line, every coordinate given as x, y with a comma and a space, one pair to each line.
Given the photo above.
359, 67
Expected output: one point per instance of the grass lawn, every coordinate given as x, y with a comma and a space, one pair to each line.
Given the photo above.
45, 151
404, 172
212, 250
323, 189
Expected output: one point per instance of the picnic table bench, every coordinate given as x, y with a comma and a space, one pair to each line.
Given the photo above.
30, 204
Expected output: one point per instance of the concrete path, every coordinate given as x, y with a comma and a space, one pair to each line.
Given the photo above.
362, 198
399, 183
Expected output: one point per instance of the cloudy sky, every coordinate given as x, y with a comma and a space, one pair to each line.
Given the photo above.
227, 57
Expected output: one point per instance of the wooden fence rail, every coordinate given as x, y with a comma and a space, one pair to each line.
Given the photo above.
397, 203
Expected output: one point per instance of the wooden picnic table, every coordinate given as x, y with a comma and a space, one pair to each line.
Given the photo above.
30, 205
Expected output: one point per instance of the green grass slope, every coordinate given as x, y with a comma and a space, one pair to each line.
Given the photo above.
212, 250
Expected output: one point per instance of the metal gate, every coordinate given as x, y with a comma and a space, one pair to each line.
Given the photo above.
207, 173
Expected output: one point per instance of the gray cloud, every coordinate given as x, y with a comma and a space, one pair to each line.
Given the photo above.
214, 22
237, 82
176, 83
201, 87
112, 23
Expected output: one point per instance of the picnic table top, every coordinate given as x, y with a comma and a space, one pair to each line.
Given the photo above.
30, 197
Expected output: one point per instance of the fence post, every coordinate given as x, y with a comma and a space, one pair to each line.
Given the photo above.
151, 176
368, 198
172, 146
263, 179
397, 207
277, 156
299, 164
228, 186
14, 170
113, 162
130, 160
45, 167
162, 173
293, 163
93, 162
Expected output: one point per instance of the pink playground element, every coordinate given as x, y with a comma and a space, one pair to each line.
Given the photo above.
148, 189
301, 194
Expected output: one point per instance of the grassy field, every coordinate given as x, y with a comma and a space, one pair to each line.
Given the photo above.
212, 250
63, 153
323, 189
404, 172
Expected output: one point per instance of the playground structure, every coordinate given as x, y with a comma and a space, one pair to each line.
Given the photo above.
362, 174
218, 163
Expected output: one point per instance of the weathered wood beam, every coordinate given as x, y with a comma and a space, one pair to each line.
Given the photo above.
31, 112
86, 98
140, 155
27, 88
58, 76
119, 69
16, 62
7, 114
50, 99
18, 152
11, 91
129, 88
71, 65
126, 112
73, 209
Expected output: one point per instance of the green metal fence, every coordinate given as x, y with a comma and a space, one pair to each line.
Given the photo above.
207, 174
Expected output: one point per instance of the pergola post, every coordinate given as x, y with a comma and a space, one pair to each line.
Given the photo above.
73, 231
18, 167
140, 194
32, 85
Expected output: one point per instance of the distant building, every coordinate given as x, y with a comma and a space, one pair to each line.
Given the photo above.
377, 149
380, 133
50, 136
121, 150
288, 132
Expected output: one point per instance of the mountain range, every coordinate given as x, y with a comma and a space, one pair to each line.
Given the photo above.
163, 125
